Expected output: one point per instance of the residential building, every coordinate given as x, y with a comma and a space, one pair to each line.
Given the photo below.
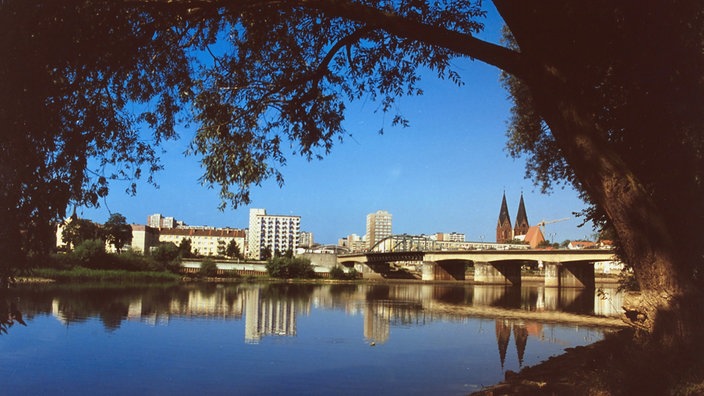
143, 238
378, 227
205, 241
353, 243
168, 222
158, 221
306, 239
278, 233
450, 237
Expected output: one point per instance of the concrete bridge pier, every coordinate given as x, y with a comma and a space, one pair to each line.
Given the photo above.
572, 274
497, 273
432, 271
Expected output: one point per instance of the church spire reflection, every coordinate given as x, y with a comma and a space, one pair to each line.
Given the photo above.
503, 335
504, 327
520, 335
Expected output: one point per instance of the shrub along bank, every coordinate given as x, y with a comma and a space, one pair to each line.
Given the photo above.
290, 268
90, 262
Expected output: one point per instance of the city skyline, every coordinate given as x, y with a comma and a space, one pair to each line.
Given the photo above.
444, 173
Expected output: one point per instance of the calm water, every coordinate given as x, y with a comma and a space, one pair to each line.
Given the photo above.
288, 338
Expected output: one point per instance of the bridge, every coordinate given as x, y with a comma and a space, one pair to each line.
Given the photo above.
563, 268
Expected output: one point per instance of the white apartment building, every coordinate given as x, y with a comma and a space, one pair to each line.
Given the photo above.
158, 221
275, 232
306, 239
378, 227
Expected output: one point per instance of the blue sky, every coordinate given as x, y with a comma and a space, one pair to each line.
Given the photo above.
445, 173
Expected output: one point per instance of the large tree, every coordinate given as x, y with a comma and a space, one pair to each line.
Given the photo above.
608, 98
117, 232
77, 230
77, 80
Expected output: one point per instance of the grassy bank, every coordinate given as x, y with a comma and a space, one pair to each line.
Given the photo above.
87, 275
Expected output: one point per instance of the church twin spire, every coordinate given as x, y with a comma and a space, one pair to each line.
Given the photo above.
522, 225
504, 231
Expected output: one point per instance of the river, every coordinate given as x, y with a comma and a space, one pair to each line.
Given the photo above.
281, 338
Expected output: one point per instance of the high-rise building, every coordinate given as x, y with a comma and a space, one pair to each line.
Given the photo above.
168, 222
306, 239
277, 233
154, 220
378, 227
158, 221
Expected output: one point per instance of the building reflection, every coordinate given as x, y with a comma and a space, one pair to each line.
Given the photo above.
272, 310
270, 316
381, 315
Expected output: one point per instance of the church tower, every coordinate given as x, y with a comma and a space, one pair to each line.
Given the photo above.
522, 225
504, 232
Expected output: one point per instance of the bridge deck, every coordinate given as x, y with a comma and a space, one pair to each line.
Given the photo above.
486, 256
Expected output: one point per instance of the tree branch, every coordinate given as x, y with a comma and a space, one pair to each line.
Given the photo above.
510, 61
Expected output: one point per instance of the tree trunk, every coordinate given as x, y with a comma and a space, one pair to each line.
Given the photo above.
653, 235
668, 307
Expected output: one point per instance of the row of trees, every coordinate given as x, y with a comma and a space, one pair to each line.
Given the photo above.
288, 267
115, 231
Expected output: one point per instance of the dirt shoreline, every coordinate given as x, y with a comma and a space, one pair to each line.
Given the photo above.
620, 364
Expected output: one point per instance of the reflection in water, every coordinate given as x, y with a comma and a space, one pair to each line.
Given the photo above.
289, 338
269, 312
520, 330
10, 314
272, 309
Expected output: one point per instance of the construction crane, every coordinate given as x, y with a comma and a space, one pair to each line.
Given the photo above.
543, 223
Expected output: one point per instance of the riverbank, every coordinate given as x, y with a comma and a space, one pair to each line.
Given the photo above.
620, 364
82, 275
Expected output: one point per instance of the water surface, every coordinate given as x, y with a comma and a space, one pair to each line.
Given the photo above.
290, 338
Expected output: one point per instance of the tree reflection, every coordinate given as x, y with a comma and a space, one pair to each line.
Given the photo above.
272, 308
9, 314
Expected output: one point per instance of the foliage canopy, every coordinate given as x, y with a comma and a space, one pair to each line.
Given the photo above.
117, 232
288, 268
